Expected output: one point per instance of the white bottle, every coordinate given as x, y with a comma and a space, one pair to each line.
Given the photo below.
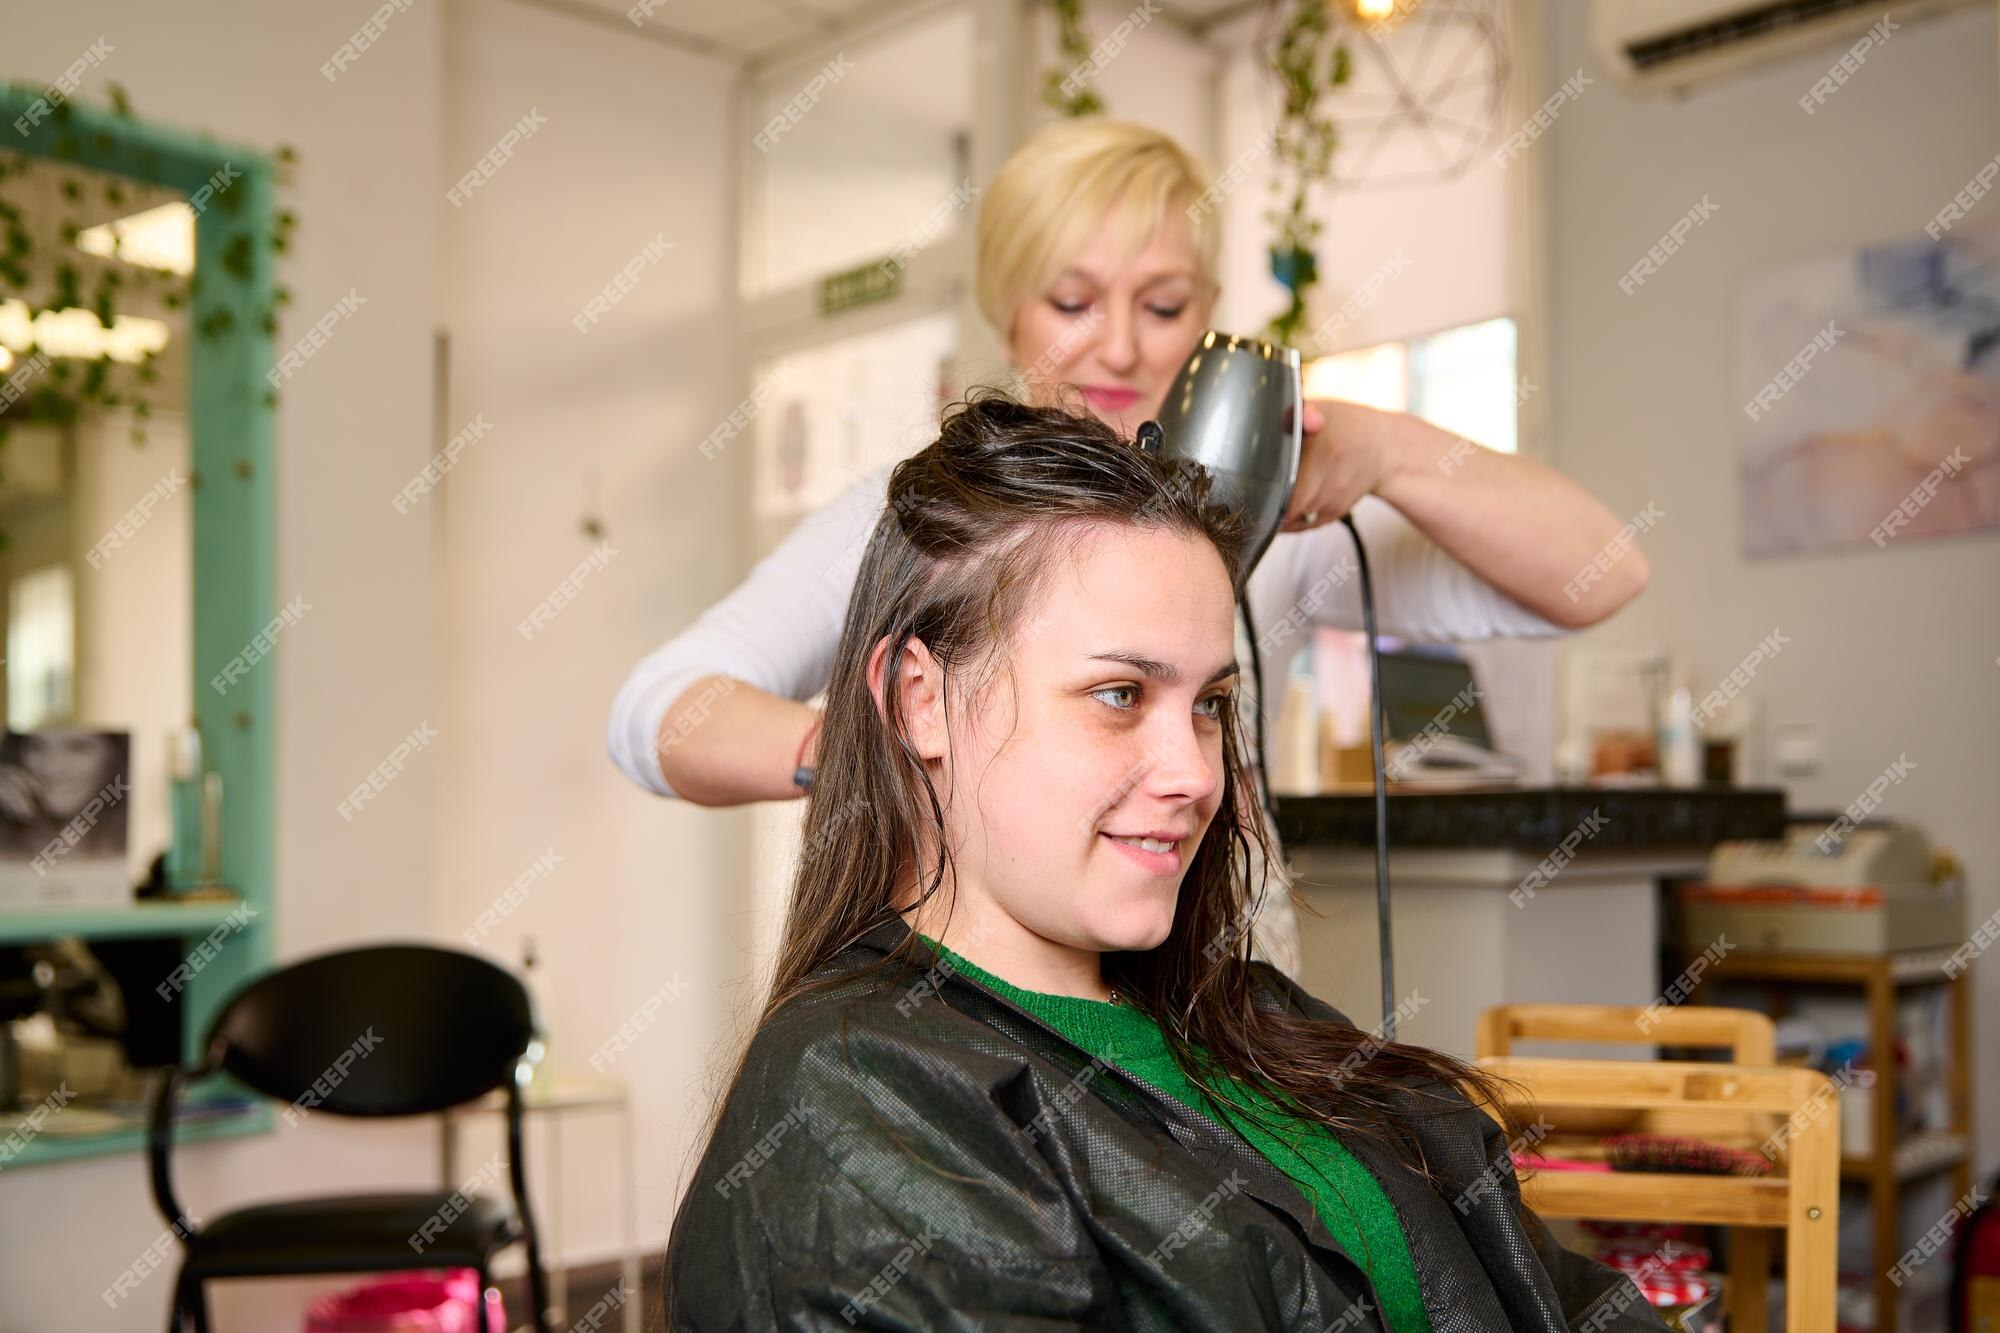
1680, 751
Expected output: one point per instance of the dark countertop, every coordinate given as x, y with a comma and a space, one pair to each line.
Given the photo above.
1534, 819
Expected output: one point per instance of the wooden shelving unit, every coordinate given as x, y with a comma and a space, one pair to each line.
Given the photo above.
1888, 1167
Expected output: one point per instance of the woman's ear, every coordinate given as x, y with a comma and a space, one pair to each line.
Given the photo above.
919, 690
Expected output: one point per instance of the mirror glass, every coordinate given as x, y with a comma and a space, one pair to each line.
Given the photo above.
96, 509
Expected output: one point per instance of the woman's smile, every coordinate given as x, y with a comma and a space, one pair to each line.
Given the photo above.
1161, 862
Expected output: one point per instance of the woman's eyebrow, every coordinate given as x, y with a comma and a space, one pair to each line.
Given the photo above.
1153, 669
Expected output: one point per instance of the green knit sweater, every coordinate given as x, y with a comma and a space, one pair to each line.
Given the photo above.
1343, 1192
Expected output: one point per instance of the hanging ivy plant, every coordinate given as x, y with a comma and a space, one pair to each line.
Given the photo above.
1074, 46
1308, 60
39, 271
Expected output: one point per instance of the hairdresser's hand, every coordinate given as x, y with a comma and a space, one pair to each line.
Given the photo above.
1347, 452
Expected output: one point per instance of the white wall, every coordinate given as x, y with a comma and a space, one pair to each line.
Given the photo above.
1154, 74
884, 147
360, 670
1894, 651
639, 142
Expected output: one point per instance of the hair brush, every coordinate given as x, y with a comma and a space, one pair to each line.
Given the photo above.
1673, 1155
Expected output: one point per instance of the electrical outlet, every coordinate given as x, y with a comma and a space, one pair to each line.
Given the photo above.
1798, 749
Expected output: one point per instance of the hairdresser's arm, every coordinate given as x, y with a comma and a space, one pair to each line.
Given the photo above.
716, 714
1523, 527
727, 743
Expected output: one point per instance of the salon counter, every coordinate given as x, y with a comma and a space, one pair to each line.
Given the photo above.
1502, 895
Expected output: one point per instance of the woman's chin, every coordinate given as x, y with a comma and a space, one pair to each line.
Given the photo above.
1134, 932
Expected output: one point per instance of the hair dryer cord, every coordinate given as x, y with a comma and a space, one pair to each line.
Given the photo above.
1376, 727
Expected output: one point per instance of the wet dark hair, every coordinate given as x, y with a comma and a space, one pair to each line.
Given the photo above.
975, 525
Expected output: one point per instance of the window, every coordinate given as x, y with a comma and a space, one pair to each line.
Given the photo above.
1462, 379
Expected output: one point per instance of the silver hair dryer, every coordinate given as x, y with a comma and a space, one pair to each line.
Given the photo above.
1236, 408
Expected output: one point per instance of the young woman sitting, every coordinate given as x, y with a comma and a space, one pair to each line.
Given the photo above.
1017, 1069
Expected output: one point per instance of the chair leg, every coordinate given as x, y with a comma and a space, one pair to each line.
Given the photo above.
479, 1313
198, 1294
538, 1283
190, 1299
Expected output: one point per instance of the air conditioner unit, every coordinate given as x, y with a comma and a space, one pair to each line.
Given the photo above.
1671, 45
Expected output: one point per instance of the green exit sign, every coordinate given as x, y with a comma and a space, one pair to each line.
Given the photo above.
859, 286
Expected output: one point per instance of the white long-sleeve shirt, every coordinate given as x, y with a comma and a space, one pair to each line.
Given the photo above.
779, 628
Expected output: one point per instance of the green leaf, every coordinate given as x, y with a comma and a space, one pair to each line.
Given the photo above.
237, 257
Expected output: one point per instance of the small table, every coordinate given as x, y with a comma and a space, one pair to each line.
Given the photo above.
558, 1095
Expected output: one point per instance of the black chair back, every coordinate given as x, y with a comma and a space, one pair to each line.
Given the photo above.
385, 1030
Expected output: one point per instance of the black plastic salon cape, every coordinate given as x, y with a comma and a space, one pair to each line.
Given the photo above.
908, 1150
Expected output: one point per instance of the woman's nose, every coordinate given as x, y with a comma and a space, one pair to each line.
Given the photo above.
1118, 343
1181, 766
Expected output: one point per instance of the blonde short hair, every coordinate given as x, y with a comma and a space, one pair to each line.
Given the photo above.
1061, 184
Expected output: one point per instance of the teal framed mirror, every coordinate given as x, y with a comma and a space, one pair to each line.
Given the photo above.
230, 404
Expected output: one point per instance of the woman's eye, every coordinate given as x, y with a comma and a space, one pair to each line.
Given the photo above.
1070, 307
1215, 706
1168, 313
